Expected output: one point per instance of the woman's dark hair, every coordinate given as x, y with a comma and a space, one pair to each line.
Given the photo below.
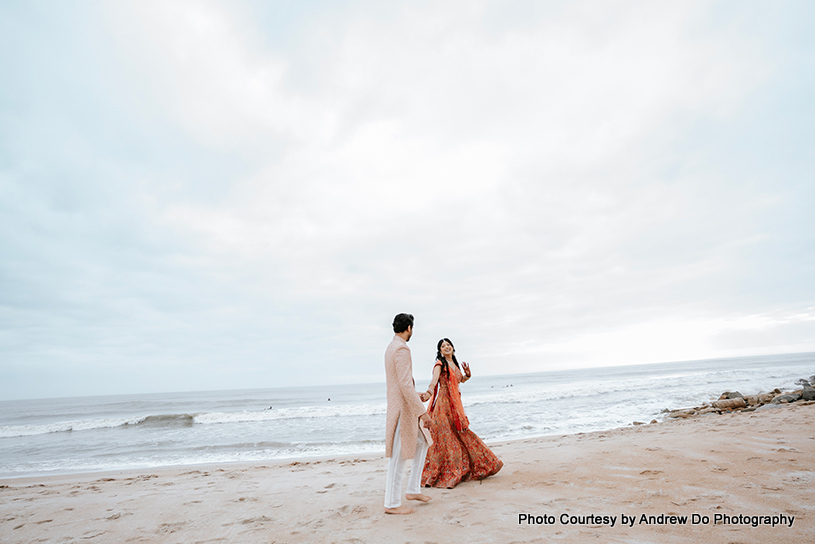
443, 359
401, 322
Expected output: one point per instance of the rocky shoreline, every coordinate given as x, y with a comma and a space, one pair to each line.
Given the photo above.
733, 401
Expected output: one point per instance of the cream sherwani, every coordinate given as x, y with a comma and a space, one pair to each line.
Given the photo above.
404, 409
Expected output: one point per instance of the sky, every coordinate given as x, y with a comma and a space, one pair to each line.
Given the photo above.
200, 195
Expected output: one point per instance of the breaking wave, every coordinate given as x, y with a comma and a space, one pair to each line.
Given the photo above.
188, 420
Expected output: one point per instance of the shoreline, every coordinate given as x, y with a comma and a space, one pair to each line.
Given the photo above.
148, 432
750, 464
14, 481
666, 416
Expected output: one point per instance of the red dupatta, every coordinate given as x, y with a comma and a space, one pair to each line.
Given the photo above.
456, 408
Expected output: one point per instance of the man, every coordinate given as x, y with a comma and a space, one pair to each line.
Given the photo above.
403, 437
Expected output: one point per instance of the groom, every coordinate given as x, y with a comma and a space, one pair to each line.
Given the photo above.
403, 438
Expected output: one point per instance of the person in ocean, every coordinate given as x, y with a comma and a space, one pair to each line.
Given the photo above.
457, 454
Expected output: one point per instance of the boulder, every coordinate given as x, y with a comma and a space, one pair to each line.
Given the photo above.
731, 395
730, 404
753, 400
766, 398
789, 397
690, 412
808, 393
805, 383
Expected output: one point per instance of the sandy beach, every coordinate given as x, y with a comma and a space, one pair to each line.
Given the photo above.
569, 488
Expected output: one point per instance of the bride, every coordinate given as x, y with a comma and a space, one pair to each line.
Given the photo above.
457, 454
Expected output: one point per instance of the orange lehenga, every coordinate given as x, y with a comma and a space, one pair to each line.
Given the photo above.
457, 454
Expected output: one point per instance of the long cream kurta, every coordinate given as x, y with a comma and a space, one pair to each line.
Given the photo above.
403, 400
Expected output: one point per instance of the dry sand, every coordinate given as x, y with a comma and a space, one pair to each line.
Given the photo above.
754, 464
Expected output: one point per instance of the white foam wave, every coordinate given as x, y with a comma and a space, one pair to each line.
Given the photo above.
304, 412
14, 431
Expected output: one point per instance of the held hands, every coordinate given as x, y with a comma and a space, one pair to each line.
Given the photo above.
425, 396
424, 420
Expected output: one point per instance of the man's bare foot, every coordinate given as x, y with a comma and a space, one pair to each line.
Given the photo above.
417, 497
400, 510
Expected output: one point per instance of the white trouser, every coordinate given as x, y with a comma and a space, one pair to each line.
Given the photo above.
393, 485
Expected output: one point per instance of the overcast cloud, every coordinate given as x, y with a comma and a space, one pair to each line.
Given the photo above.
205, 195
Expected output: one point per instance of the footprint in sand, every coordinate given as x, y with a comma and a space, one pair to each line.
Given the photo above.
166, 528
118, 515
261, 519
651, 472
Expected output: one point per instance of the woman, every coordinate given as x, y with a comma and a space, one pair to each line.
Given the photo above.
457, 454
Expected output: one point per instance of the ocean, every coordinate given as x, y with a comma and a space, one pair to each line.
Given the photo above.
89, 434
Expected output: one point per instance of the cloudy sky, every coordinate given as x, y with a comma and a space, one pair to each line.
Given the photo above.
204, 195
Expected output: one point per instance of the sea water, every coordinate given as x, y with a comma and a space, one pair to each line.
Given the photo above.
88, 434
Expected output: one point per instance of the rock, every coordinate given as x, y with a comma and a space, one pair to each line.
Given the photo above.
639, 423
789, 397
808, 393
768, 406
753, 400
766, 398
653, 421
682, 413
805, 383
731, 395
730, 404
708, 410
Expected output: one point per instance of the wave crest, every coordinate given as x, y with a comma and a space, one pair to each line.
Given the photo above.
188, 420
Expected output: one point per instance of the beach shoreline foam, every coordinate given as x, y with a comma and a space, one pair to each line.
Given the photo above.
745, 468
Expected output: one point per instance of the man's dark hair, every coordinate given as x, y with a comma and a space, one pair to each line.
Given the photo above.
401, 322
